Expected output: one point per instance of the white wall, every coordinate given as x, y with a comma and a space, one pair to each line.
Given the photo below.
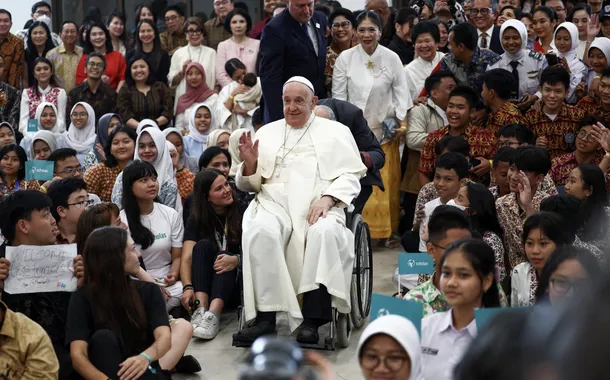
21, 10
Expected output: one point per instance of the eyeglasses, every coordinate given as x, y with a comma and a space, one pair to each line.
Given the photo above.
514, 144
586, 136
192, 32
341, 25
70, 170
42, 13
222, 2
80, 115
99, 65
171, 18
563, 286
82, 204
482, 11
393, 363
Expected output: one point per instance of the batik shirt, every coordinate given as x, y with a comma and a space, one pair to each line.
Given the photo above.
507, 114
593, 108
561, 132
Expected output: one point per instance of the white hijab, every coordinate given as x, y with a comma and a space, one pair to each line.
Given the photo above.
214, 135
522, 30
163, 163
573, 30
234, 150
603, 44
46, 136
403, 331
56, 128
82, 140
147, 123
193, 132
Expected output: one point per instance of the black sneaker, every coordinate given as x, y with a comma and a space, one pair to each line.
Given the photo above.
188, 364
248, 335
308, 335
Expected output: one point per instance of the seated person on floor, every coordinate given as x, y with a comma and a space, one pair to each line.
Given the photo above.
211, 252
295, 242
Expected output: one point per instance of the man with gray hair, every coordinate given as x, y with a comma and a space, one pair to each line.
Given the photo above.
371, 153
304, 170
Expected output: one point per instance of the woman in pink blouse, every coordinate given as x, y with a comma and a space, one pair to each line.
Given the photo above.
239, 46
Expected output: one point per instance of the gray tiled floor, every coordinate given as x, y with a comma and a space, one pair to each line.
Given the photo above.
219, 360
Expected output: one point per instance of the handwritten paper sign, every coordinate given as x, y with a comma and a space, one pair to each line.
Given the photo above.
415, 263
384, 305
39, 170
40, 269
482, 316
32, 125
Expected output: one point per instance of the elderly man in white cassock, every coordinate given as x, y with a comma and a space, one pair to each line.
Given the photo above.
296, 246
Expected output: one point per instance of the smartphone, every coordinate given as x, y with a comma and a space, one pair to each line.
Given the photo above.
552, 59
474, 162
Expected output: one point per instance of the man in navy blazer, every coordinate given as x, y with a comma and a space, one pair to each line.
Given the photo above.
286, 50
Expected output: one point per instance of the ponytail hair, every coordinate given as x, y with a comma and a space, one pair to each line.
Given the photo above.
482, 258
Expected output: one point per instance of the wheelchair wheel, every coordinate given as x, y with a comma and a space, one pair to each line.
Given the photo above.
362, 277
343, 330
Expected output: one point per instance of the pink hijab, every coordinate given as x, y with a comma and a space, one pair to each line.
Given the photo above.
193, 94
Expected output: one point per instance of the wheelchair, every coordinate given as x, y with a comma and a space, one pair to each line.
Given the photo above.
360, 294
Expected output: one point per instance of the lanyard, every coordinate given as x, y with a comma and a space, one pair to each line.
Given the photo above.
223, 245
17, 185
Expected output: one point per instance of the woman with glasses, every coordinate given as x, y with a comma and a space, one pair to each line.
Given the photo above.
148, 44
98, 39
240, 46
389, 348
12, 173
570, 271
342, 31
81, 134
194, 52
43, 89
371, 77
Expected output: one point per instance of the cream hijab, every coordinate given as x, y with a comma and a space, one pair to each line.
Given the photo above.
163, 163
522, 30
573, 30
403, 331
234, 150
46, 136
146, 123
82, 140
56, 128
214, 135
603, 44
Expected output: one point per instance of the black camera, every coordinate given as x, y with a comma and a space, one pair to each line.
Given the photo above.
275, 358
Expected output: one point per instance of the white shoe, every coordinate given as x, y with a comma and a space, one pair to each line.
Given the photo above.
197, 317
208, 328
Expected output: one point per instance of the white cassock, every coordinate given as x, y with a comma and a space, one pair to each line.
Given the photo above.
283, 256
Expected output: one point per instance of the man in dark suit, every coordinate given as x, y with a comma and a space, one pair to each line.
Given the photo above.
370, 150
293, 43
483, 15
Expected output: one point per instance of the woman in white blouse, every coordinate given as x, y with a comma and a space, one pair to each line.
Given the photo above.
371, 77
44, 89
195, 51
426, 37
468, 282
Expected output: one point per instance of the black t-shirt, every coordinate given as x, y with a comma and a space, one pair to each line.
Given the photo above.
83, 325
49, 310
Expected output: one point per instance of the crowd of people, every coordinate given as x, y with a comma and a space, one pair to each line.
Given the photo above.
206, 163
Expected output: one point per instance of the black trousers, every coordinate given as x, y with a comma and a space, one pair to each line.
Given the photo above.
408, 205
204, 276
107, 351
362, 198
317, 308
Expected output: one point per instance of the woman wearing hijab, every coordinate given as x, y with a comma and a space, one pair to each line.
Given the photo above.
598, 57
174, 136
389, 348
201, 124
104, 127
197, 91
234, 150
219, 137
46, 115
565, 45
151, 147
185, 179
529, 65
43, 144
146, 123
81, 134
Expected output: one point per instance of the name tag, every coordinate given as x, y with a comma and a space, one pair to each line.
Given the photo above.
317, 25
429, 351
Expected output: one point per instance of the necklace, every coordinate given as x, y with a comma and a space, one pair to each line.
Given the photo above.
188, 48
284, 153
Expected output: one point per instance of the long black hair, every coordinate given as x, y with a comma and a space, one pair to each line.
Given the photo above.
20, 154
133, 172
208, 155
94, 217
115, 301
88, 46
117, 14
482, 209
593, 209
482, 258
202, 212
154, 57
111, 161
552, 226
561, 254
52, 81
48, 45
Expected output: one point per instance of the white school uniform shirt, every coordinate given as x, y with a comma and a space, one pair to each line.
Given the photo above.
521, 285
442, 346
376, 84
418, 70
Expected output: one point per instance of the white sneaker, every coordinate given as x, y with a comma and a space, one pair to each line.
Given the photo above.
197, 317
208, 328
